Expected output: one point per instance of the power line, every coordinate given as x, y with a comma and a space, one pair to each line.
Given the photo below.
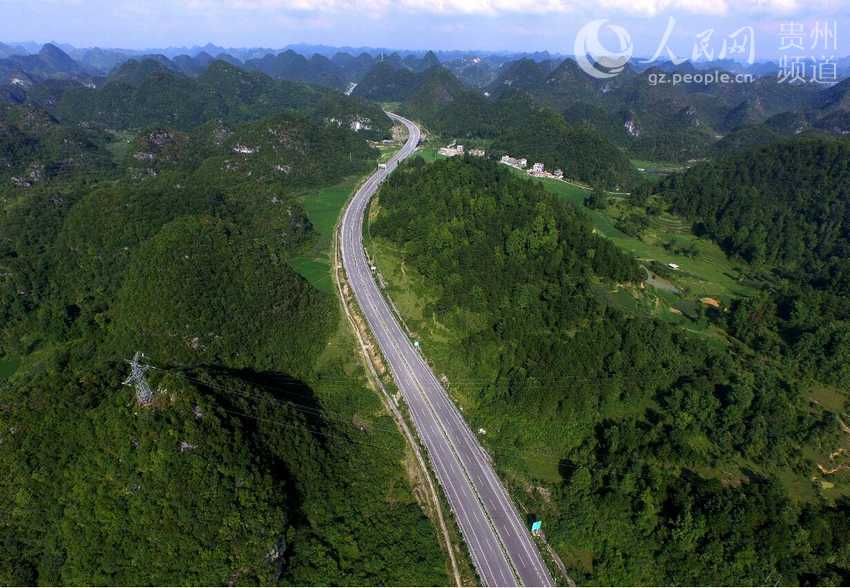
539, 457
322, 412
528, 455
310, 410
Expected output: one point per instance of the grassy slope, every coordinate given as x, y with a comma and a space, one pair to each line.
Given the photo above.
708, 274
323, 208
412, 295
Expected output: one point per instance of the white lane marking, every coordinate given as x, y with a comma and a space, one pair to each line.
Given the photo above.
402, 352
358, 263
466, 495
492, 480
489, 481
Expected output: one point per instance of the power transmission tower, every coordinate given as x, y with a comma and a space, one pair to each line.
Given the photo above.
137, 379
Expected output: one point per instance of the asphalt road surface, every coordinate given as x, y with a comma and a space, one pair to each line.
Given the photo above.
502, 550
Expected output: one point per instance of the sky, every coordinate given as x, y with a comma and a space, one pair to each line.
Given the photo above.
493, 25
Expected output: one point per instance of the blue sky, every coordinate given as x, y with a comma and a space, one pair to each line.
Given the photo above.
514, 25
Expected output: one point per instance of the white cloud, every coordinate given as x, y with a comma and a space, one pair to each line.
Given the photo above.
718, 7
493, 7
501, 7
480, 7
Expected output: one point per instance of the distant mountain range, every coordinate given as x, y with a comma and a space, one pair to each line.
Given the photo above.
474, 68
49, 62
677, 121
659, 121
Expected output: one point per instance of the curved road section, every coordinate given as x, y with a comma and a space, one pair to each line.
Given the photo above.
501, 547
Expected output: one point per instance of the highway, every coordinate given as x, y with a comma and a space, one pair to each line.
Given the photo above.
501, 547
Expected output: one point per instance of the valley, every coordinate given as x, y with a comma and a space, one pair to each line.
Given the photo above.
264, 322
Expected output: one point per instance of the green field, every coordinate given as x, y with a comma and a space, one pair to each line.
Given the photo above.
429, 153
657, 170
708, 273
662, 166
323, 208
387, 152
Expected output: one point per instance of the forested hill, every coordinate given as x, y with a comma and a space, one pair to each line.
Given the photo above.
263, 458
786, 203
653, 455
145, 93
786, 208
35, 147
474, 222
663, 121
515, 125
581, 152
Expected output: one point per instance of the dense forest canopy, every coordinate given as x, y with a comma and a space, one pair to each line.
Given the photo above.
786, 208
35, 147
145, 93
263, 458
785, 203
639, 417
160, 209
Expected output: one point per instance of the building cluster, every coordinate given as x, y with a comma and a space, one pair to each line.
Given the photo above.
537, 170
459, 151
517, 163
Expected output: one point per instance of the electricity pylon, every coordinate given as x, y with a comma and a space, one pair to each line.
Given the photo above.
137, 379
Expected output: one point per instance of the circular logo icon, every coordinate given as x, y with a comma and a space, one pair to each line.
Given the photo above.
597, 60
